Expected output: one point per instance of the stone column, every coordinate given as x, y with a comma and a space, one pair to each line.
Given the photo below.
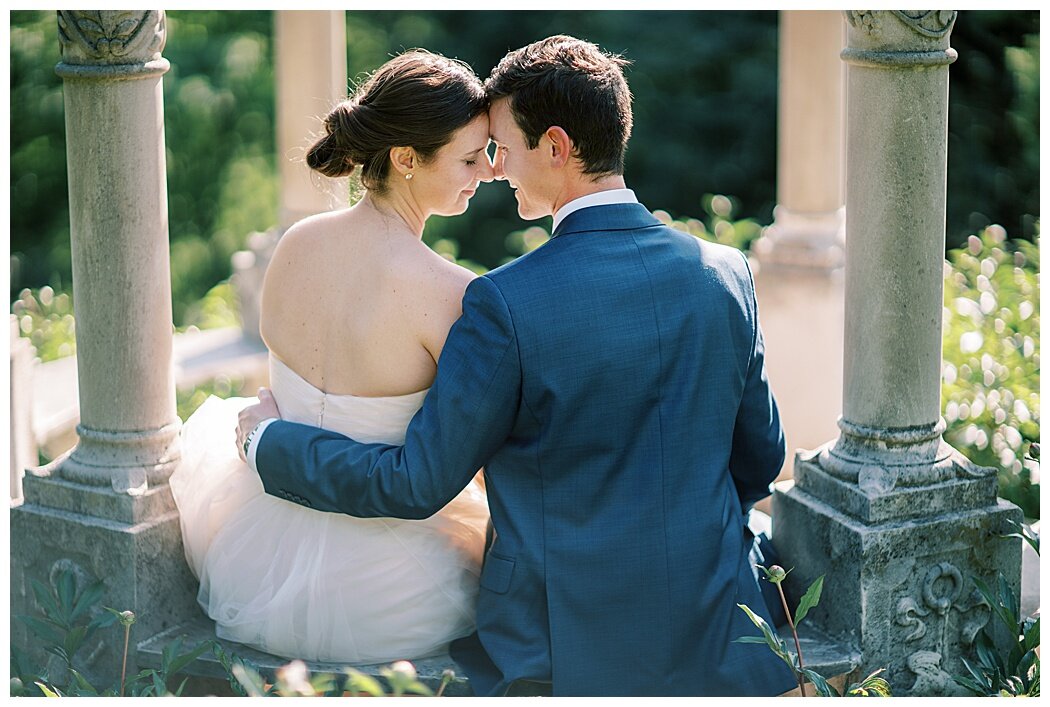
105, 510
310, 70
799, 258
807, 231
898, 521
311, 75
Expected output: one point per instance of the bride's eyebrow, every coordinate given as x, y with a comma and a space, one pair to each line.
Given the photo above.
474, 152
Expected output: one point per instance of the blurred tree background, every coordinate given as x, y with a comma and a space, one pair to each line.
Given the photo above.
705, 86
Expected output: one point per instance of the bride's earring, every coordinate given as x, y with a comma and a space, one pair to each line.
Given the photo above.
408, 175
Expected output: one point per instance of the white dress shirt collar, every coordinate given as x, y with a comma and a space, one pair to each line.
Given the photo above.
598, 198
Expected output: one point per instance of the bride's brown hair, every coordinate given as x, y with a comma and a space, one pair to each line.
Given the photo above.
417, 99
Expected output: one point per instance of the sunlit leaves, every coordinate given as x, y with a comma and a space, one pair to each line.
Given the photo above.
990, 373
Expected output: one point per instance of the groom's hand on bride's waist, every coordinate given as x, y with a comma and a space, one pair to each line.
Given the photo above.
249, 419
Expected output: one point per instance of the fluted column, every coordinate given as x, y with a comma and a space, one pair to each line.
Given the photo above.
112, 68
105, 512
898, 521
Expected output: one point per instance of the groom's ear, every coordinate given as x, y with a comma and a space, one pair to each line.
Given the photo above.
403, 159
559, 145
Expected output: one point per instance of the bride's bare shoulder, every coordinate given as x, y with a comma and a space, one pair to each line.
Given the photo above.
439, 277
305, 235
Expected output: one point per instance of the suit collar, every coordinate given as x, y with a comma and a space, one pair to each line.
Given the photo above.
610, 217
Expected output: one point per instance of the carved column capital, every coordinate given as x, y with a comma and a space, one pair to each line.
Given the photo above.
111, 44
900, 38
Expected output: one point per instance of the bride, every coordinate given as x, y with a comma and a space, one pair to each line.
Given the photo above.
355, 311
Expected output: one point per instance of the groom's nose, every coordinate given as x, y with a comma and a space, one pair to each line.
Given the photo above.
497, 166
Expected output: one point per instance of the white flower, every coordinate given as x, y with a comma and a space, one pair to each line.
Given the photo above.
971, 342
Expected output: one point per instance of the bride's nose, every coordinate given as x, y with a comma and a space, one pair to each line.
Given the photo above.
485, 172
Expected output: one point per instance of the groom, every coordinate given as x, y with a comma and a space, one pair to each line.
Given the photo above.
612, 385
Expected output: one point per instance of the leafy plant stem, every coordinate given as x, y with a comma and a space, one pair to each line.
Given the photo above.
124, 663
794, 633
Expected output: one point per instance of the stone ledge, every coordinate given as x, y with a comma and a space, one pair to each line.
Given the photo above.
822, 653
207, 666
828, 657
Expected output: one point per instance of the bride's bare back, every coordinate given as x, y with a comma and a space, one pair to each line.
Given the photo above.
356, 304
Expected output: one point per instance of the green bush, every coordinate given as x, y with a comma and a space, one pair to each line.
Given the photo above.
990, 370
218, 308
46, 319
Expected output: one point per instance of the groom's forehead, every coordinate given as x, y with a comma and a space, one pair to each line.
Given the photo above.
501, 122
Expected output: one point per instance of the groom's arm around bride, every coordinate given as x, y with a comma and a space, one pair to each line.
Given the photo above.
612, 384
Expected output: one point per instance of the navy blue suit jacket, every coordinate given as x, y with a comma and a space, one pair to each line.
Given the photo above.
612, 384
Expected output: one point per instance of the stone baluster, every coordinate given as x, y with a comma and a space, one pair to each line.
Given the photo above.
799, 258
897, 520
104, 511
23, 444
311, 77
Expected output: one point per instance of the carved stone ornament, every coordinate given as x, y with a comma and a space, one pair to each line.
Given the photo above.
868, 20
113, 40
939, 594
928, 23
930, 679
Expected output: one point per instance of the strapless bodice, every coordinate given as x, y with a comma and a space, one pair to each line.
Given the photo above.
365, 419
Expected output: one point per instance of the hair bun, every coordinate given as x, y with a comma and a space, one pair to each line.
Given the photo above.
416, 100
332, 155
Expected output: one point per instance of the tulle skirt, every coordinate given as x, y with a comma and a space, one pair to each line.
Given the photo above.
320, 586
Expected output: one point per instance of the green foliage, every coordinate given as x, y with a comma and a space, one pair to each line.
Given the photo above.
993, 124
990, 372
67, 619
187, 400
65, 623
219, 131
46, 319
871, 686
1017, 672
218, 308
810, 599
718, 224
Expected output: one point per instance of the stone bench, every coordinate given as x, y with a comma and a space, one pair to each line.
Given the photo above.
821, 653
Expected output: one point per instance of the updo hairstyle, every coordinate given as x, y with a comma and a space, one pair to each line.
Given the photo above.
417, 99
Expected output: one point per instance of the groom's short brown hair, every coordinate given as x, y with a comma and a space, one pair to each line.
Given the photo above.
574, 85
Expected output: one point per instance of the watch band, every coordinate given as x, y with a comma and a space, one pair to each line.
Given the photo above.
248, 439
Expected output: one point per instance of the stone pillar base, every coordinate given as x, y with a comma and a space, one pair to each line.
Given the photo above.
803, 240
898, 587
126, 462
132, 543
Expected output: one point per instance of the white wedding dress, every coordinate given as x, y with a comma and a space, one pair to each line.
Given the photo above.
322, 586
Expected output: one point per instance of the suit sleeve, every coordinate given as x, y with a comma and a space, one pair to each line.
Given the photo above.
466, 417
758, 437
